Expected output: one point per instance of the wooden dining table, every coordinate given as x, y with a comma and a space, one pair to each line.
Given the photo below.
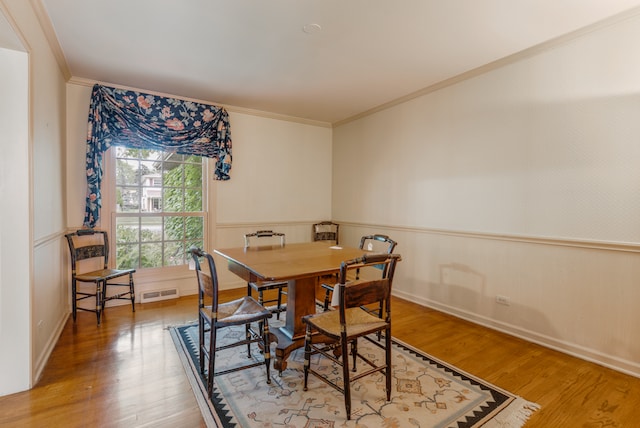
301, 265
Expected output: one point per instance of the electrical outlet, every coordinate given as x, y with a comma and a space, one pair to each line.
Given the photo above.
503, 300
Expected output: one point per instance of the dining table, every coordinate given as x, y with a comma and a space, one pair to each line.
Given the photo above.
302, 265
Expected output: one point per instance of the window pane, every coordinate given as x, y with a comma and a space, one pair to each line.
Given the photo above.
151, 255
173, 200
193, 176
127, 256
128, 199
174, 228
194, 227
127, 230
193, 200
174, 254
126, 172
173, 174
151, 229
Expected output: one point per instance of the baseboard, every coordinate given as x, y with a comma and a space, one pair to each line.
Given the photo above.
43, 358
624, 366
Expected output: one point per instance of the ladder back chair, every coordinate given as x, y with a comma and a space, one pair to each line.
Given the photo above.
267, 238
214, 315
91, 247
377, 243
326, 231
340, 329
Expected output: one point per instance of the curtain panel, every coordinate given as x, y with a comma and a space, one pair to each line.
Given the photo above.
144, 121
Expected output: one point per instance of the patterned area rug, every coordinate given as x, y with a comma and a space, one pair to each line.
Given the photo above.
426, 392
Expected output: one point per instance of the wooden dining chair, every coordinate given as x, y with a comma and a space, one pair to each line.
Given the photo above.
326, 231
340, 329
376, 243
214, 315
89, 247
266, 239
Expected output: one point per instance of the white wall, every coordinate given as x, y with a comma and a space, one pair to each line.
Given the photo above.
15, 251
521, 182
38, 289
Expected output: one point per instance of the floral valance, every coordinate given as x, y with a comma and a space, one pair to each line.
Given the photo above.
144, 121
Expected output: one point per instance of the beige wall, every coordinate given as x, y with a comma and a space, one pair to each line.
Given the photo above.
521, 182
36, 217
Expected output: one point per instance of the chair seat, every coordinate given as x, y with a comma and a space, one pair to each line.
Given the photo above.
238, 312
103, 274
359, 322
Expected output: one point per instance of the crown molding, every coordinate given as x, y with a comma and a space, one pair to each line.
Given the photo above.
233, 109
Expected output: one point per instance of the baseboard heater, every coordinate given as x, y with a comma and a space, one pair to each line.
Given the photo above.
156, 295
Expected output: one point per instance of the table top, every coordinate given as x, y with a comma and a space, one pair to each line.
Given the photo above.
293, 261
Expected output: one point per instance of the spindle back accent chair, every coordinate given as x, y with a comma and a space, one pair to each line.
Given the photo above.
340, 329
86, 244
377, 243
326, 231
267, 238
214, 315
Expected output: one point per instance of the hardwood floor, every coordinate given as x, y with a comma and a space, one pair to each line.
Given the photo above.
126, 372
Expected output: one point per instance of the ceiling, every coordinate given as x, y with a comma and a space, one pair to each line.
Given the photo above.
255, 54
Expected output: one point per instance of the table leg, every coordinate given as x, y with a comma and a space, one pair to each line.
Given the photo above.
301, 301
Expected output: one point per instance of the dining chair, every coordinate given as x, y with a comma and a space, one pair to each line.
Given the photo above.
376, 243
214, 315
331, 333
266, 239
326, 231
89, 250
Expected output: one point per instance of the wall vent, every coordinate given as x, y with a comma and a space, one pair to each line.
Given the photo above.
156, 295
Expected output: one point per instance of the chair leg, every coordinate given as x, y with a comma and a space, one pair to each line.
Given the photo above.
99, 301
380, 310
201, 343
279, 303
387, 339
327, 298
267, 350
212, 361
133, 293
354, 354
74, 302
247, 336
307, 356
346, 376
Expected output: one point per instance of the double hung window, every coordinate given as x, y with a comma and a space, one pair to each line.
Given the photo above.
159, 207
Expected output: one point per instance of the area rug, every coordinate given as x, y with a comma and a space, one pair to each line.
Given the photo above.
427, 392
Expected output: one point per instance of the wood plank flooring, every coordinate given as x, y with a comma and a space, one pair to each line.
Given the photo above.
126, 373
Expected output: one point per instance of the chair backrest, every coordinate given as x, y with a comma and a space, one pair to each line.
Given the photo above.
326, 231
364, 291
88, 244
207, 279
264, 238
379, 244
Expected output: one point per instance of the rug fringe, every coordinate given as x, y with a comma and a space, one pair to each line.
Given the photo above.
516, 415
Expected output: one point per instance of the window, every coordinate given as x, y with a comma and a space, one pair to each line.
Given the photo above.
159, 207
